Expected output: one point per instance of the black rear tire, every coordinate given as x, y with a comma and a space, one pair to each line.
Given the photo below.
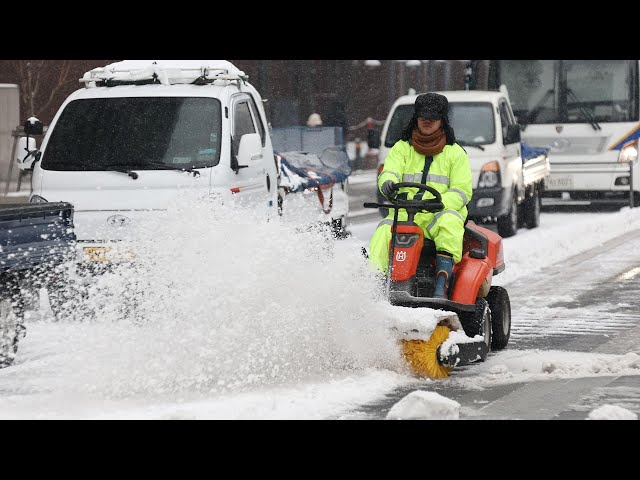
478, 322
531, 210
11, 322
500, 306
68, 299
508, 224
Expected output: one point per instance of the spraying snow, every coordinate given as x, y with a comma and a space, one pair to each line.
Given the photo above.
219, 300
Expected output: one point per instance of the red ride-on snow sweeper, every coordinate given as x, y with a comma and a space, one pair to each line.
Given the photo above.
483, 311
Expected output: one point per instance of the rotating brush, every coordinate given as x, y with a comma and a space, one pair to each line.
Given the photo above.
422, 354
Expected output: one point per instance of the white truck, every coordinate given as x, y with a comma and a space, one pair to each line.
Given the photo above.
140, 131
507, 181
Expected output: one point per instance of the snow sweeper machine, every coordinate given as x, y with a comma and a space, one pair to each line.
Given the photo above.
481, 313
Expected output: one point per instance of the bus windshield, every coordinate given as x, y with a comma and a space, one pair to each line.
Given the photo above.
570, 91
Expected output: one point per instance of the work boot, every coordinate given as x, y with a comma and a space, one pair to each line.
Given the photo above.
444, 267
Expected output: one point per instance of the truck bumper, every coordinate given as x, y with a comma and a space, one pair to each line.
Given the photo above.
589, 197
489, 202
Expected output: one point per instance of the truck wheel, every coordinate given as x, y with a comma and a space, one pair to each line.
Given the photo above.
11, 327
508, 224
67, 300
500, 306
531, 210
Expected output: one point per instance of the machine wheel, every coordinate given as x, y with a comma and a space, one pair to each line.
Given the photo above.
531, 210
11, 325
508, 224
500, 306
478, 322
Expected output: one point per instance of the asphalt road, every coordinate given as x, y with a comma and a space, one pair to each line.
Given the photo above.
362, 188
604, 285
601, 317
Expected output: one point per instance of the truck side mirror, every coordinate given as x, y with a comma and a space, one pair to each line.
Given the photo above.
33, 126
513, 134
26, 153
249, 150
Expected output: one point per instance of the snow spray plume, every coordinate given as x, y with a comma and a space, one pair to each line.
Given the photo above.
221, 298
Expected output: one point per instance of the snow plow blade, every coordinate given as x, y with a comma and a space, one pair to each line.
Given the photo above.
459, 354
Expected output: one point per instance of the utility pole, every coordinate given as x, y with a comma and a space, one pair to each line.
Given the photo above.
30, 94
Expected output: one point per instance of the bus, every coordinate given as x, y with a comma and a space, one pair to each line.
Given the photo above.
586, 113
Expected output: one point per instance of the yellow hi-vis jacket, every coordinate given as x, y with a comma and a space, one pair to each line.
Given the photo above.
450, 174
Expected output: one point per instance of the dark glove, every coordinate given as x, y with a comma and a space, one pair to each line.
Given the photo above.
387, 189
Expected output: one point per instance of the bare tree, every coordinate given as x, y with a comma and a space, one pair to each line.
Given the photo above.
42, 83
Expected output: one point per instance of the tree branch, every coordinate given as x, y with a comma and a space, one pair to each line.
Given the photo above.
65, 68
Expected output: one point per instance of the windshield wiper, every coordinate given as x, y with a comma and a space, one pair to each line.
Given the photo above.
164, 166
533, 114
122, 169
471, 145
584, 110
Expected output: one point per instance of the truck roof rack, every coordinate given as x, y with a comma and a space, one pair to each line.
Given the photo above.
165, 72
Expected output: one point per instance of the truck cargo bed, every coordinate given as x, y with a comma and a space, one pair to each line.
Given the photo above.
34, 233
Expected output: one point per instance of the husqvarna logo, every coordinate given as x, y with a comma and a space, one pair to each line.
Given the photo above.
118, 220
401, 256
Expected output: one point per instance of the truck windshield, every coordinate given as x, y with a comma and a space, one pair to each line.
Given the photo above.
570, 91
472, 122
143, 133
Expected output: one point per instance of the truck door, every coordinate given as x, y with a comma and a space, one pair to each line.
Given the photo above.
251, 175
511, 151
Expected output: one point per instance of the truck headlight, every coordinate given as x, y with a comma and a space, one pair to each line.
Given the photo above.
629, 152
489, 175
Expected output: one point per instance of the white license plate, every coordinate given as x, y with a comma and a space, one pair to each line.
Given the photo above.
97, 254
559, 182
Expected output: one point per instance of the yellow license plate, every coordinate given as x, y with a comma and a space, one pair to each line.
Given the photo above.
97, 254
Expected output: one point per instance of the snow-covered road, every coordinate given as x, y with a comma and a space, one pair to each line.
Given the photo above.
246, 319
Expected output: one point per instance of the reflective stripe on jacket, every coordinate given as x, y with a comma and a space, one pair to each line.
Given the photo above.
449, 173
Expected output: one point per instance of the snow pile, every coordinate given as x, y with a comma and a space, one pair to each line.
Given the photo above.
421, 405
611, 412
530, 365
167, 71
